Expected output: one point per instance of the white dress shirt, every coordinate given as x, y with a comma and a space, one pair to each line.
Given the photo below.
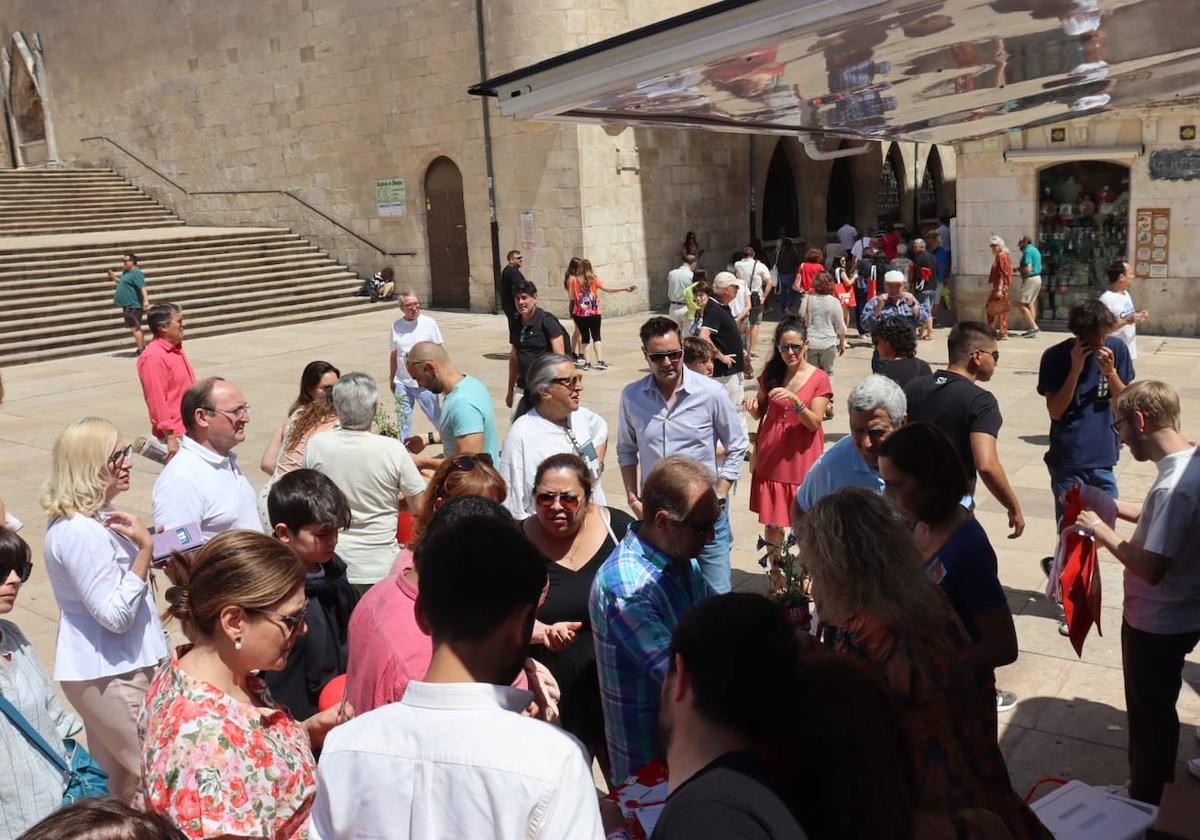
452, 761
532, 439
678, 279
109, 624
198, 485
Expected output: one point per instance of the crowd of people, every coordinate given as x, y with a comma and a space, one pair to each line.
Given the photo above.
394, 641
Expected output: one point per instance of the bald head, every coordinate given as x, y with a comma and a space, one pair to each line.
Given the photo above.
428, 351
429, 364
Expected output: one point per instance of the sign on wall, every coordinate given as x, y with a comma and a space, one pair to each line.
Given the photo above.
1152, 237
391, 197
1175, 165
528, 240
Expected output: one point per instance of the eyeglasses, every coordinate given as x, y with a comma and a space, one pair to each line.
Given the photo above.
700, 528
466, 463
23, 569
668, 356
416, 304
116, 459
995, 354
292, 622
1116, 425
571, 383
242, 412
569, 501
791, 348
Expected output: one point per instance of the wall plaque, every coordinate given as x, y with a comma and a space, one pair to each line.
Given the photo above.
1152, 237
1175, 165
391, 197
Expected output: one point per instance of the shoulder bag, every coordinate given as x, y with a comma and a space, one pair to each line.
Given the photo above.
84, 778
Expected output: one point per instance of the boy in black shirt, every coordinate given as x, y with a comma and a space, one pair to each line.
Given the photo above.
532, 332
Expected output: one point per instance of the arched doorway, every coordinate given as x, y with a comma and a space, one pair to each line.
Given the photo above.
446, 225
839, 201
931, 187
781, 208
891, 188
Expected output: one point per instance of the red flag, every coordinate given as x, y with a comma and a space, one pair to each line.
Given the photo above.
1080, 579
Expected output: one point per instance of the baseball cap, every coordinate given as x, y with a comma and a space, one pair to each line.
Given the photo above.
724, 280
895, 277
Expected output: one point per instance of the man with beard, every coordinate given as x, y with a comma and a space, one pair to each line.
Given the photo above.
468, 420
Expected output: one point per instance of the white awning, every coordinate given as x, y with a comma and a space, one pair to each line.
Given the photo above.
928, 70
1124, 153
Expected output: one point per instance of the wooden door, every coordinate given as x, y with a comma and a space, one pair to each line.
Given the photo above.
446, 223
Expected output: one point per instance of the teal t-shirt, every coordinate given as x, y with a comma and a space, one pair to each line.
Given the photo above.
129, 289
467, 410
1032, 257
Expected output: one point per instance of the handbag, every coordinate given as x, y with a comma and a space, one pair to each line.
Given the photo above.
84, 778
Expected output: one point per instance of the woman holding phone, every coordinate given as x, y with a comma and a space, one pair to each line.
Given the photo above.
98, 560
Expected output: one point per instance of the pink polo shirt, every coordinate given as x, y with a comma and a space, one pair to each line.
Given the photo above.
165, 373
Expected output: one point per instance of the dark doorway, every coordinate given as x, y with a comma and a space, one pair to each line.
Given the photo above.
839, 203
931, 187
891, 188
446, 222
781, 209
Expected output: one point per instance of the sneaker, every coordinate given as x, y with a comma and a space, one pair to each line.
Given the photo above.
1063, 629
1031, 333
584, 366
600, 365
580, 361
1005, 701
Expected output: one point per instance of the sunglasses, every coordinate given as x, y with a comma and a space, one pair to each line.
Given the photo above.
700, 528
466, 463
669, 356
23, 569
571, 383
291, 622
569, 501
116, 459
791, 348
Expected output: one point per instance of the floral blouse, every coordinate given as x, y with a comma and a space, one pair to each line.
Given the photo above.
214, 765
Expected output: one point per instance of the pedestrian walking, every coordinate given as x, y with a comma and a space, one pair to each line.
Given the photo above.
586, 312
130, 295
1030, 268
1120, 303
1000, 278
407, 331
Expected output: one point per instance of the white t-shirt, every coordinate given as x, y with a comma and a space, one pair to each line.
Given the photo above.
371, 470
198, 485
405, 334
1121, 305
1170, 526
752, 273
532, 439
846, 235
740, 303
678, 279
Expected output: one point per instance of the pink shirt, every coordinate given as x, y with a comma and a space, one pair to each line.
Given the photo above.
165, 373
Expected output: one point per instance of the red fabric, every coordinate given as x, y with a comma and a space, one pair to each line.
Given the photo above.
804, 279
1080, 579
165, 373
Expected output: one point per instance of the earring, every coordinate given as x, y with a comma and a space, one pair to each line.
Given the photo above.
237, 643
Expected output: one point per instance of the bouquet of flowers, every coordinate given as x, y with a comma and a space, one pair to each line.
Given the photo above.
788, 580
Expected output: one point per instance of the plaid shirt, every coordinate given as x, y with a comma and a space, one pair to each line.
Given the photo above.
637, 598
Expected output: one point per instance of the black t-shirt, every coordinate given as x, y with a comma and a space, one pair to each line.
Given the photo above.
924, 272
958, 407
725, 335
510, 275
532, 339
903, 371
730, 799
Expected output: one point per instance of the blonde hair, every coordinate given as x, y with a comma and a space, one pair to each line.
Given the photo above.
1157, 400
79, 473
242, 568
863, 559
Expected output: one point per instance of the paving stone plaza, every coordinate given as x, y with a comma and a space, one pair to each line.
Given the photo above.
1070, 719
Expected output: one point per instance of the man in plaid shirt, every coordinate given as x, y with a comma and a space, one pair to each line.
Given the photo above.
640, 593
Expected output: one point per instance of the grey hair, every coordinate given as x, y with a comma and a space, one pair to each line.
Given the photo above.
878, 391
355, 396
407, 293
159, 315
538, 378
996, 240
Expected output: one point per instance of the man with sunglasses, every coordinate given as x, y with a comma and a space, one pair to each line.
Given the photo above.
203, 482
676, 411
952, 400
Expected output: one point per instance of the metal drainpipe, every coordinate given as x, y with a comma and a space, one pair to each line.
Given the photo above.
487, 153
753, 193
916, 225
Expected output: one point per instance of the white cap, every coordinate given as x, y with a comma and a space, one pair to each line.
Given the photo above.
895, 277
724, 280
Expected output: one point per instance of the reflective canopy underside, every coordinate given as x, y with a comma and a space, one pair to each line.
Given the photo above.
930, 70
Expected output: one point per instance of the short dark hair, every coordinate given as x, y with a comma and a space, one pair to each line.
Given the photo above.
306, 497
701, 287
965, 338
196, 397
899, 333
925, 453
103, 819
697, 349
657, 326
1089, 317
524, 287
129, 255
512, 254
1115, 269
159, 315
566, 461
14, 553
733, 644
476, 573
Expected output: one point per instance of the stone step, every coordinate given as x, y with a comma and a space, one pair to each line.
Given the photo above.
115, 247
44, 230
95, 191
153, 268
86, 214
72, 200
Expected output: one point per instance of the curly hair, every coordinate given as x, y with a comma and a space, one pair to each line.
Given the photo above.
898, 333
307, 418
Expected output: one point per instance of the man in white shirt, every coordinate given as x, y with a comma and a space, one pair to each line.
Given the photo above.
1161, 623
406, 332
756, 278
678, 280
455, 757
373, 472
846, 235
1117, 299
203, 483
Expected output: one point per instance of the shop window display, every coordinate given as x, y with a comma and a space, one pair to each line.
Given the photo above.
1083, 226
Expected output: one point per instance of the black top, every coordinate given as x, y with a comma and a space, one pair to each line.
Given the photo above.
958, 407
725, 335
730, 799
925, 272
320, 654
510, 275
903, 371
787, 263
574, 668
532, 339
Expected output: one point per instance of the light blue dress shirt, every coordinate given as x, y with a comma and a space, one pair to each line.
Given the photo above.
841, 466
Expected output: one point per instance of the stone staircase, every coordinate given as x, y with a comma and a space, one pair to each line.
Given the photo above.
56, 299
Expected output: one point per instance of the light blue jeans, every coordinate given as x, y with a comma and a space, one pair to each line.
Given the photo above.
714, 558
406, 396
1061, 479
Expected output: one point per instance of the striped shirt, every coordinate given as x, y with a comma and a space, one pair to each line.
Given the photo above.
30, 786
638, 597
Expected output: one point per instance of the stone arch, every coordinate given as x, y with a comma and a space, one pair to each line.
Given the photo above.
890, 209
929, 202
840, 195
24, 93
781, 204
446, 229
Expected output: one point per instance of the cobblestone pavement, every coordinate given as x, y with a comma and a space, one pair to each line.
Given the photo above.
1070, 720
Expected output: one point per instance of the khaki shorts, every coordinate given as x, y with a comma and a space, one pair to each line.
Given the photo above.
1030, 288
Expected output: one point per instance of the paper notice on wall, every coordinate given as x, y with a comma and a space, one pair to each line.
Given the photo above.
1152, 233
391, 197
528, 240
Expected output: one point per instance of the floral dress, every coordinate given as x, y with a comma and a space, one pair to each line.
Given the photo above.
214, 765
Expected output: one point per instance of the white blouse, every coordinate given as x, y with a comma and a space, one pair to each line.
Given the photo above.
532, 439
30, 786
109, 625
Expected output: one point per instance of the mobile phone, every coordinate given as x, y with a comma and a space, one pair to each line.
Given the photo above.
181, 538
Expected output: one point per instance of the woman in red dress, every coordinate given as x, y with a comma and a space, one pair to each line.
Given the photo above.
789, 406
1001, 278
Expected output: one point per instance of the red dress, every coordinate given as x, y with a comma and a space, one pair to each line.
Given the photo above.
784, 452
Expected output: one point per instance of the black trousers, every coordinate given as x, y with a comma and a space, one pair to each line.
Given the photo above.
1153, 665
